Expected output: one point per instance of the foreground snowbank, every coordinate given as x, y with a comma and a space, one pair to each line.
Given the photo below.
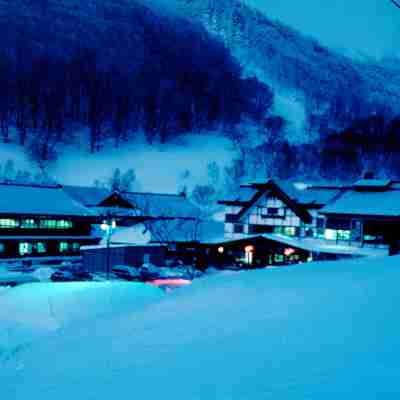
29, 312
317, 331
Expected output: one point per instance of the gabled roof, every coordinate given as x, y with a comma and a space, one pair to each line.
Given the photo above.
39, 200
87, 195
150, 204
162, 205
271, 186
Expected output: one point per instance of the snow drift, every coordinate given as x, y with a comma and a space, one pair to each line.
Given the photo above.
317, 331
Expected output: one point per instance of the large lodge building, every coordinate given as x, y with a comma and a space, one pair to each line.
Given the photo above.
56, 221
279, 222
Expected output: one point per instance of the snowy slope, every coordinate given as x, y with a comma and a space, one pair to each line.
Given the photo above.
317, 331
158, 168
325, 84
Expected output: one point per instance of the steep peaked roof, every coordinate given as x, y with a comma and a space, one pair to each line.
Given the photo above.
39, 200
271, 186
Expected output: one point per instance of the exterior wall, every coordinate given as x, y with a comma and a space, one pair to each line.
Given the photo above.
37, 236
362, 231
96, 260
268, 215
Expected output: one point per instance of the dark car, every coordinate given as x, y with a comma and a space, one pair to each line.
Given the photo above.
125, 272
82, 275
62, 276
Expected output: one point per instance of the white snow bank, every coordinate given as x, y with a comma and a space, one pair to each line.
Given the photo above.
316, 331
31, 311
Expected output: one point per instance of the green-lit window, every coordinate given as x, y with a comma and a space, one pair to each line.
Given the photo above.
25, 248
63, 247
76, 247
41, 247
8, 223
343, 235
55, 224
279, 258
290, 231
48, 224
28, 224
337, 234
64, 224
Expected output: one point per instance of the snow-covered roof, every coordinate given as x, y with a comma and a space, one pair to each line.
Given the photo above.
162, 205
151, 204
380, 203
317, 195
178, 230
39, 200
87, 195
372, 183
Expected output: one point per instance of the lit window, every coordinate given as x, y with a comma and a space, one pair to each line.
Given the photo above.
64, 224
76, 247
41, 247
28, 224
343, 234
8, 223
289, 231
279, 258
330, 234
339, 234
63, 247
25, 248
48, 224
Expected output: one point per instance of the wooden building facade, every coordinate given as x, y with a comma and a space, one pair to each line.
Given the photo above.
42, 221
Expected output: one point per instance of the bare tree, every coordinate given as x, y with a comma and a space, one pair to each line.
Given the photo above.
396, 3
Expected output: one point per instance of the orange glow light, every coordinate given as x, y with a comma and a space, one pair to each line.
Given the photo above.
289, 251
249, 249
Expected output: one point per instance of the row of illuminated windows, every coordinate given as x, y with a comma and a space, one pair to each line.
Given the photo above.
27, 248
10, 223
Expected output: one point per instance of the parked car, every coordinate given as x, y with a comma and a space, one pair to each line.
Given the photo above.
126, 272
82, 275
62, 276
149, 272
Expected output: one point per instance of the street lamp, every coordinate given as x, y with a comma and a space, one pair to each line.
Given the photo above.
108, 226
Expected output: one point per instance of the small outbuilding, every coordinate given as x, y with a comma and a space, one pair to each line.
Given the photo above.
102, 258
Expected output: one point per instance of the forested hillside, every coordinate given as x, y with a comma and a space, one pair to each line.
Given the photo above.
116, 67
336, 90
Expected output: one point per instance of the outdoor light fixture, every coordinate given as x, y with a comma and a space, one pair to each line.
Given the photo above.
289, 251
249, 249
108, 226
221, 250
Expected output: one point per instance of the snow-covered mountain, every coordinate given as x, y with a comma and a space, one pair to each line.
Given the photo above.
330, 88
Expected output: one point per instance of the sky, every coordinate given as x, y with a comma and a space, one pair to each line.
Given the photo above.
365, 27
